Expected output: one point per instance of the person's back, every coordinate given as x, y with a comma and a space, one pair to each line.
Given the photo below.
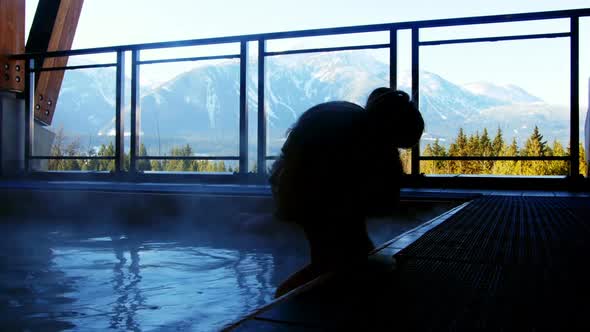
338, 165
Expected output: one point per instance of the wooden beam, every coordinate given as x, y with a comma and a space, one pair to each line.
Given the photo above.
12, 41
53, 29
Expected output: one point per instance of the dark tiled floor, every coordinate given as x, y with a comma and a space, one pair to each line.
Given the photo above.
499, 263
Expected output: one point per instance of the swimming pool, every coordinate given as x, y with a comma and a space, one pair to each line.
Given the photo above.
59, 273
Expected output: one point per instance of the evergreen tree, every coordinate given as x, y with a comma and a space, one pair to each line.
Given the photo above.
72, 150
427, 166
156, 165
439, 150
180, 165
473, 148
90, 164
486, 149
127, 162
435, 166
557, 167
583, 165
498, 143
535, 147
106, 151
459, 148
143, 164
221, 166
57, 151
508, 167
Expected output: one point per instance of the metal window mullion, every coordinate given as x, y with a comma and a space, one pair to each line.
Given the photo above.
261, 109
243, 107
574, 96
393, 59
29, 113
416, 93
328, 49
135, 116
119, 109
102, 65
190, 59
494, 39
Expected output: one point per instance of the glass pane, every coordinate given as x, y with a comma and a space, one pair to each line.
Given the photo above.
495, 99
198, 108
342, 40
584, 93
404, 61
190, 51
297, 82
84, 115
495, 29
252, 106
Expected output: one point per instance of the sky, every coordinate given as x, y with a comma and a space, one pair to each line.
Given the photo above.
541, 66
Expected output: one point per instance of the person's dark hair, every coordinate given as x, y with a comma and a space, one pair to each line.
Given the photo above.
393, 113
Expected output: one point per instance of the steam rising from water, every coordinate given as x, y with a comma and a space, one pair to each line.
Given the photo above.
153, 261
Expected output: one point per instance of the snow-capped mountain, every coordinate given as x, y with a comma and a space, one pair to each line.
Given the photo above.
507, 93
201, 106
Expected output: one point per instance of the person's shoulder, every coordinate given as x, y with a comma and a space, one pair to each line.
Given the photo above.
333, 109
338, 106
327, 116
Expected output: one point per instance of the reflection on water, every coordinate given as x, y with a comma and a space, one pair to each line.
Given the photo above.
56, 281
58, 277
129, 297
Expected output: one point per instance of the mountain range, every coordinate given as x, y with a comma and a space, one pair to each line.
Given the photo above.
201, 106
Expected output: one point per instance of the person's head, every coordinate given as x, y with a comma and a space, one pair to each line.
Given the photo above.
394, 115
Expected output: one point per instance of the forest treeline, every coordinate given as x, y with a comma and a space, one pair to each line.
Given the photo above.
483, 145
60, 148
463, 145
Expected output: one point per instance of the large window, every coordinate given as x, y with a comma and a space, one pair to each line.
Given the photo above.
496, 97
81, 134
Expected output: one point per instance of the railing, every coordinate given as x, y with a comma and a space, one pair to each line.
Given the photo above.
261, 40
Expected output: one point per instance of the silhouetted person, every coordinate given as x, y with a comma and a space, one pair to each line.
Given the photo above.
339, 164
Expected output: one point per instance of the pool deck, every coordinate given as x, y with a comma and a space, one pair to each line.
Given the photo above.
503, 261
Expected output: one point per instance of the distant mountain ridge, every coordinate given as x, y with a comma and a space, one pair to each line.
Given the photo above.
201, 106
508, 93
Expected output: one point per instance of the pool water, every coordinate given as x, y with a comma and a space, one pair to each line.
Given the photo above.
64, 276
